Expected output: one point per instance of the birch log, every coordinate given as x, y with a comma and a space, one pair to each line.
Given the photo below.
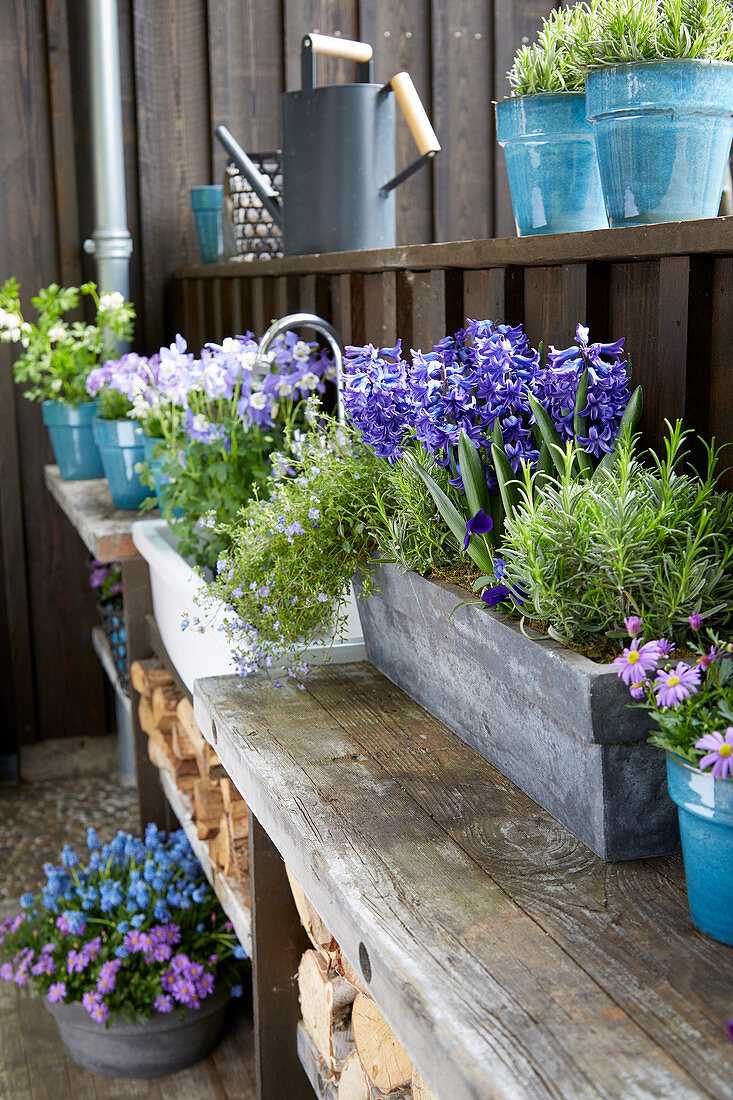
325, 1000
386, 1063
355, 1085
421, 1090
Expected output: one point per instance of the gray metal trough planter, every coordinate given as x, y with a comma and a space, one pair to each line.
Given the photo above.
162, 1044
552, 721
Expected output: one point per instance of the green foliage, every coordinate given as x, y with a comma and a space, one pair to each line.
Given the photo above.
292, 556
551, 64
649, 30
410, 532
654, 540
207, 484
58, 354
112, 405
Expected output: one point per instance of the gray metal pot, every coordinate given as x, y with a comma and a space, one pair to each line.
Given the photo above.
164, 1043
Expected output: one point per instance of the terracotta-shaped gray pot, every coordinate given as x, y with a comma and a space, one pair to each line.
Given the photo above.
164, 1043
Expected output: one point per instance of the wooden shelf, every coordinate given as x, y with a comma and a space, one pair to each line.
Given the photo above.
101, 646
507, 958
316, 1072
227, 891
104, 529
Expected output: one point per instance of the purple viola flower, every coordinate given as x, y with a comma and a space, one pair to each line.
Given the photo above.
719, 753
56, 992
695, 620
677, 684
480, 524
633, 625
636, 660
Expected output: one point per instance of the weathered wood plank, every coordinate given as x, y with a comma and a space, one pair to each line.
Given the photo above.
104, 529
721, 381
713, 237
334, 17
397, 891
380, 308
315, 1069
554, 302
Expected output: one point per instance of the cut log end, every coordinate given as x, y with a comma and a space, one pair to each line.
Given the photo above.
386, 1064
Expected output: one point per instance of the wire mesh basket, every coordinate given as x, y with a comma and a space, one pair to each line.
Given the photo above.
113, 621
257, 236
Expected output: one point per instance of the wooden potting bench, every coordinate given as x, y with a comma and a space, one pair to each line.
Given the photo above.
511, 962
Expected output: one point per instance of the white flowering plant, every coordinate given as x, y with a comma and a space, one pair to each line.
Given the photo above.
58, 353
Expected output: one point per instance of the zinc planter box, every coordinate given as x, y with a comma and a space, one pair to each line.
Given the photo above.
174, 586
552, 721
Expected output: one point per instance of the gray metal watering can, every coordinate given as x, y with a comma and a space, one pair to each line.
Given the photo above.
339, 155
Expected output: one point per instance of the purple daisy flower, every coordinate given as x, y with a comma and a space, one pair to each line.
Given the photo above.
99, 1012
163, 1003
57, 992
666, 648
637, 659
6, 972
719, 754
676, 684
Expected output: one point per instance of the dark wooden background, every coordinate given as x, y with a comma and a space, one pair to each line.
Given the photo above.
187, 66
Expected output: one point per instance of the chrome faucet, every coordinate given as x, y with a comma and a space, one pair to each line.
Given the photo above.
303, 320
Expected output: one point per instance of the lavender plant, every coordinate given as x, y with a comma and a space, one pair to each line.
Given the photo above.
691, 703
59, 354
622, 31
552, 64
135, 931
646, 536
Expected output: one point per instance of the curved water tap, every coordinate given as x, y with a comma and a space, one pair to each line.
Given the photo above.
304, 320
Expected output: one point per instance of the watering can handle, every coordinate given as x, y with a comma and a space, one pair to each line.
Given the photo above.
329, 46
420, 127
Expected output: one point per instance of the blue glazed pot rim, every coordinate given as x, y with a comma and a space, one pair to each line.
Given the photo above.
680, 762
542, 114
682, 87
622, 67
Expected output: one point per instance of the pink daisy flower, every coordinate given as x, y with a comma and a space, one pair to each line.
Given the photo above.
719, 754
676, 684
636, 661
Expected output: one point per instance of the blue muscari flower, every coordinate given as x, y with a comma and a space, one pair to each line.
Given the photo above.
237, 991
153, 835
92, 839
239, 952
69, 858
111, 895
161, 912
50, 900
26, 901
76, 921
95, 861
138, 920
123, 926
121, 952
198, 894
201, 927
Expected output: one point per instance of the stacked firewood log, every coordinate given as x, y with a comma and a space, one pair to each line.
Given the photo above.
176, 744
359, 1056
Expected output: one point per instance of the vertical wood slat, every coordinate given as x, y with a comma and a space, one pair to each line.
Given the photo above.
278, 943
496, 293
341, 307
462, 49
401, 37
421, 308
554, 301
720, 401
334, 17
633, 313
380, 308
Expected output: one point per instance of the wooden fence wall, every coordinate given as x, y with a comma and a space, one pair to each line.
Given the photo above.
668, 289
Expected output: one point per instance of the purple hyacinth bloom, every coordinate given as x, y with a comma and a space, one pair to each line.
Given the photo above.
637, 659
695, 620
676, 684
57, 992
480, 524
719, 753
633, 625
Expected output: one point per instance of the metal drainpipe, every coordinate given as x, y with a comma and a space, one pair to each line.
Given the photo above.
110, 243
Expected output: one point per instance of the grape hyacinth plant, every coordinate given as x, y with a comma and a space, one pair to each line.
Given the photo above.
691, 701
134, 931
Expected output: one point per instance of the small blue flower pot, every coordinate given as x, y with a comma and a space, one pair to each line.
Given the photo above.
72, 438
663, 133
551, 161
705, 809
121, 445
206, 202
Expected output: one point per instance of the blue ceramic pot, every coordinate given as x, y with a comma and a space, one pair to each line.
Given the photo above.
155, 464
705, 808
551, 160
121, 445
206, 202
663, 133
72, 438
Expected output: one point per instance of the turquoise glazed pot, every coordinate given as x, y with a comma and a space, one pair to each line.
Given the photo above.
551, 160
663, 133
705, 808
206, 202
72, 438
121, 445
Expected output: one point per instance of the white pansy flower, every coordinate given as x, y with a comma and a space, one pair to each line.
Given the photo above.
301, 351
310, 380
108, 302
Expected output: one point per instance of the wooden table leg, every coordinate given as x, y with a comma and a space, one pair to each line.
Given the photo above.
152, 803
278, 943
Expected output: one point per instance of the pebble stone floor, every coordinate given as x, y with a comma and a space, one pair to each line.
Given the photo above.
35, 821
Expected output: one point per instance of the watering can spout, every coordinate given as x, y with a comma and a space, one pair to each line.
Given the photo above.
270, 199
